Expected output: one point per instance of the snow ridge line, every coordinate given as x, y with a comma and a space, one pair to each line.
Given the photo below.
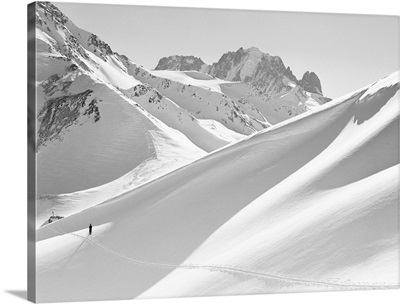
224, 269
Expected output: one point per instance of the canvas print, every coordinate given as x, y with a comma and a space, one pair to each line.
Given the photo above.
183, 152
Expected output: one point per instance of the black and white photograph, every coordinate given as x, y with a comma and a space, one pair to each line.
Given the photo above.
182, 152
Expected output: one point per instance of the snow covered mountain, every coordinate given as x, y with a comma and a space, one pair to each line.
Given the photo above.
267, 73
262, 72
319, 204
103, 118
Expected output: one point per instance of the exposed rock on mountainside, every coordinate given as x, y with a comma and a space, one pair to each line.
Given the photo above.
59, 113
181, 63
311, 83
266, 72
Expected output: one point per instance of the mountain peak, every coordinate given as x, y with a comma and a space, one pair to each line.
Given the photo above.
289, 74
53, 12
180, 62
253, 49
311, 83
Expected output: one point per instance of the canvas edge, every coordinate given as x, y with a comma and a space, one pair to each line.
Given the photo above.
31, 155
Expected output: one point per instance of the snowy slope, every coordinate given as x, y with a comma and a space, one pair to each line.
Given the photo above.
276, 109
93, 143
199, 94
295, 207
174, 116
123, 149
202, 88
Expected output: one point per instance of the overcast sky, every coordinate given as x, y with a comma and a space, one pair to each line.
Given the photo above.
346, 51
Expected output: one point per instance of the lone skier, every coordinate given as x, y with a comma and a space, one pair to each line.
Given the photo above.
90, 229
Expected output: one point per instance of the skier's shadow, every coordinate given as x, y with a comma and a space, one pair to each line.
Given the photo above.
75, 251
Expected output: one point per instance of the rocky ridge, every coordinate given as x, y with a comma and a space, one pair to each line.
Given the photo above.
265, 72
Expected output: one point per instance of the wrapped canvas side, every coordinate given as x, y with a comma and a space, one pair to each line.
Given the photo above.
31, 136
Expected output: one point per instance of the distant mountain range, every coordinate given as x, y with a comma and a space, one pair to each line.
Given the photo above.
88, 93
267, 73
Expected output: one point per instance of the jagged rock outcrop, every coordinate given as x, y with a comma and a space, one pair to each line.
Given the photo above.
289, 74
311, 83
60, 113
181, 63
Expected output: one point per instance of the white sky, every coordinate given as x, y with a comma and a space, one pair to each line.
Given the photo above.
345, 51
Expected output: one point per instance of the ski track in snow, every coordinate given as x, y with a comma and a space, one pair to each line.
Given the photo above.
221, 268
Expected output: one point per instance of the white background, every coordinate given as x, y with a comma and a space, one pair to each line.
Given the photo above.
13, 146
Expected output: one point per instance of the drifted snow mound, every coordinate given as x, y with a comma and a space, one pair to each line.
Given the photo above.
308, 204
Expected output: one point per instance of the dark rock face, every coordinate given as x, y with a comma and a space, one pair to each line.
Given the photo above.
311, 83
99, 46
269, 75
49, 16
60, 113
263, 71
180, 63
52, 12
289, 74
54, 84
228, 60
